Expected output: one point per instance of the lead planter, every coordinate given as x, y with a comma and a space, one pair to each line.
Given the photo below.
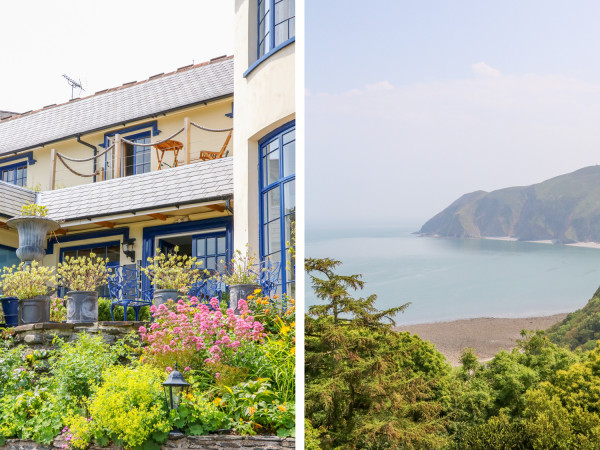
82, 306
32, 235
239, 292
34, 310
161, 296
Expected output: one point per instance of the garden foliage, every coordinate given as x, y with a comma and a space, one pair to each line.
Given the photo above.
87, 391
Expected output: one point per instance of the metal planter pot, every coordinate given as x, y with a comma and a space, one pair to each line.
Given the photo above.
32, 235
82, 306
239, 292
34, 310
161, 296
10, 307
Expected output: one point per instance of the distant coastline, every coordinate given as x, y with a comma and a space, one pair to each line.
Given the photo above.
594, 245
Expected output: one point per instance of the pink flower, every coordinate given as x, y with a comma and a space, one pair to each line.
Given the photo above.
187, 369
217, 375
169, 369
142, 330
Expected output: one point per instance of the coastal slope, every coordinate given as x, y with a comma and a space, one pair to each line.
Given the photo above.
564, 209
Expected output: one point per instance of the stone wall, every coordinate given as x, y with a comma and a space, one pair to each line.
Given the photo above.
179, 441
41, 335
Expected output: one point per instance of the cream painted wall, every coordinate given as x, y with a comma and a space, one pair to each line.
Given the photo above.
212, 116
264, 100
9, 238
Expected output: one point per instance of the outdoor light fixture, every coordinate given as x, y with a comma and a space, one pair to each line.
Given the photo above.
128, 248
175, 387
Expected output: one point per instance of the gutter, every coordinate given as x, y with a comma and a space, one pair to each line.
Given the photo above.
104, 127
93, 147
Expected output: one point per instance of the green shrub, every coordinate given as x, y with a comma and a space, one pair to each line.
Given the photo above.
199, 416
78, 366
104, 312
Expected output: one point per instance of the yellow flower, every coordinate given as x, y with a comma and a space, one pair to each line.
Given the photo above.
251, 410
293, 350
257, 291
285, 329
250, 297
217, 401
281, 408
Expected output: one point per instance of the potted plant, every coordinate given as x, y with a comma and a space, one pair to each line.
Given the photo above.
32, 226
82, 276
172, 275
240, 277
31, 284
10, 308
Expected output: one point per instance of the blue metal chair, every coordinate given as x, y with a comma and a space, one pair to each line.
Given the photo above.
124, 289
268, 276
206, 289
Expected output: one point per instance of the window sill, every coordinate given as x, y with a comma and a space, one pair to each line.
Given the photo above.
259, 61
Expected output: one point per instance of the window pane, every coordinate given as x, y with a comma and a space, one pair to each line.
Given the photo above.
292, 27
282, 11
70, 254
289, 223
272, 205
113, 253
274, 240
289, 195
221, 245
272, 166
200, 247
84, 252
211, 246
211, 263
281, 33
289, 159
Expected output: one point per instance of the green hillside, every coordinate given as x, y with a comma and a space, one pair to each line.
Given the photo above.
580, 329
564, 209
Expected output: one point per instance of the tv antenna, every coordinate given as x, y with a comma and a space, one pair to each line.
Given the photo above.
74, 84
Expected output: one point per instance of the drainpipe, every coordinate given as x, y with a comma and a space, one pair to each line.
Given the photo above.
93, 147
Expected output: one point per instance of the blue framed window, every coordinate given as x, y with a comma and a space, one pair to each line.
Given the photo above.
210, 251
15, 174
106, 250
137, 158
8, 257
276, 24
278, 201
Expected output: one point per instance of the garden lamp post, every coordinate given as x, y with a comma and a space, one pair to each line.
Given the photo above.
175, 387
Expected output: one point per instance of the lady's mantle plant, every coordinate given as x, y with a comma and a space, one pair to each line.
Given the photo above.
172, 271
194, 335
83, 273
27, 281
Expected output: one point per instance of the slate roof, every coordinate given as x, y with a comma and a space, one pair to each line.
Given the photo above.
12, 198
201, 181
7, 114
161, 93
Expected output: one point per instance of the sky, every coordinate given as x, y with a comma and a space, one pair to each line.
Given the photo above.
412, 104
102, 43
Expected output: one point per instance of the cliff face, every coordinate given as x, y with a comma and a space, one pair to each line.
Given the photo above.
565, 209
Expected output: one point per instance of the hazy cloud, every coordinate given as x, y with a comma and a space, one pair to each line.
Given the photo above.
481, 69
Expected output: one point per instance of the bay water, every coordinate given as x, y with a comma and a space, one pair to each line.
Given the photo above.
449, 279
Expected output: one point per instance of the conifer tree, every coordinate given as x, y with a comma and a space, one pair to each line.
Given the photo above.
368, 386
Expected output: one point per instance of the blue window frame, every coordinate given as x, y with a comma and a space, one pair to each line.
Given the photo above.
210, 250
276, 24
15, 174
106, 250
278, 201
136, 159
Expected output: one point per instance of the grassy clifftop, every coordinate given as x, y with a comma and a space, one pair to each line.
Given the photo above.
564, 209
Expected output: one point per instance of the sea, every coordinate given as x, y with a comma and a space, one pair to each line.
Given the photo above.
447, 279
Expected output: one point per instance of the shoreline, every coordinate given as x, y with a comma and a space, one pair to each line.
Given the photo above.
486, 335
594, 245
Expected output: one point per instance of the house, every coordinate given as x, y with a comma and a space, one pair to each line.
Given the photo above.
202, 158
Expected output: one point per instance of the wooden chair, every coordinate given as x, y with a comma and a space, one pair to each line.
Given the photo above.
205, 155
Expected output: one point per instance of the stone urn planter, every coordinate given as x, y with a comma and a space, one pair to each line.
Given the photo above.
10, 307
240, 291
161, 296
34, 310
32, 235
82, 306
